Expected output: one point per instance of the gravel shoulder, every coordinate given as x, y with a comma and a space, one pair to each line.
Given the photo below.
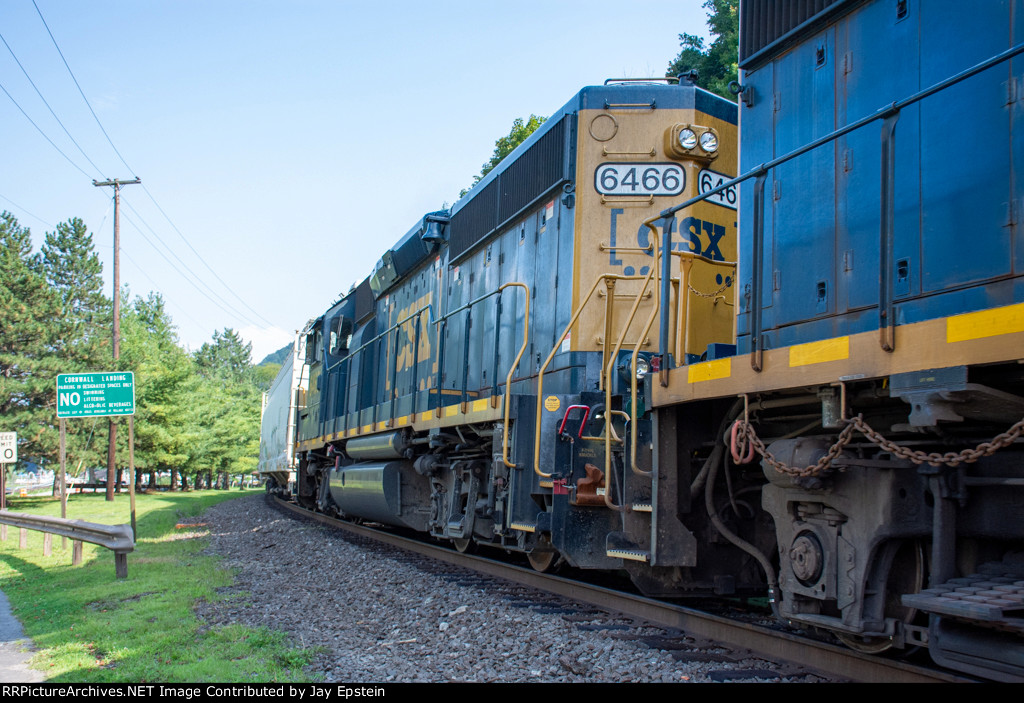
375, 615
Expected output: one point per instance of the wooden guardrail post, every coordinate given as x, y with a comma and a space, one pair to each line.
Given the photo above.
47, 544
22, 538
121, 565
76, 552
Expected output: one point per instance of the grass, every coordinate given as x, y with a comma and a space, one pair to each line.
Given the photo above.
92, 628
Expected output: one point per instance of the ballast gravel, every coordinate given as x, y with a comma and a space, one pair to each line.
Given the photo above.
376, 614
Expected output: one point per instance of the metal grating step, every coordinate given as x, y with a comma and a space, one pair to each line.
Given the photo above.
990, 599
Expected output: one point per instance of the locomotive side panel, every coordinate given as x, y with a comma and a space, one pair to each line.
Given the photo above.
953, 243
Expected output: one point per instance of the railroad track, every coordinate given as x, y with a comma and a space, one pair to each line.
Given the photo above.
687, 628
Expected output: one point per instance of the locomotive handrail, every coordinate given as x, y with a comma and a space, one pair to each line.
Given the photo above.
515, 364
609, 370
429, 307
760, 171
609, 280
686, 259
359, 350
438, 320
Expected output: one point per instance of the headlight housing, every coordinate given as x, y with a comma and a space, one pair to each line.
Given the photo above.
690, 141
643, 367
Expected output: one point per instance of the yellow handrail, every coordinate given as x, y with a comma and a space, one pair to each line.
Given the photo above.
653, 272
686, 259
554, 350
515, 365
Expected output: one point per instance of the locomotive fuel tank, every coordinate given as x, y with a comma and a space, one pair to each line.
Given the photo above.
388, 492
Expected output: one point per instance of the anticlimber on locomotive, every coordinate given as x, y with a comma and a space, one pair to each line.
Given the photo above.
585, 359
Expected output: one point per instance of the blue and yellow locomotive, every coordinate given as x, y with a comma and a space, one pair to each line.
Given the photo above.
586, 361
475, 385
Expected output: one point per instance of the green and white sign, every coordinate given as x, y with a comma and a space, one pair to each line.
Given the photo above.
95, 394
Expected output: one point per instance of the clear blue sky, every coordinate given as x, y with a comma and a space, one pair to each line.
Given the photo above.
289, 142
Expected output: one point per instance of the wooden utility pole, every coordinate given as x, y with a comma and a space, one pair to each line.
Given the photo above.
112, 446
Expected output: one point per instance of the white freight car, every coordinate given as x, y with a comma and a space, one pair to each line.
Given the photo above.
277, 426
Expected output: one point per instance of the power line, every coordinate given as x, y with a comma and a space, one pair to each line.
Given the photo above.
80, 169
208, 267
98, 169
235, 314
80, 91
156, 286
238, 313
26, 211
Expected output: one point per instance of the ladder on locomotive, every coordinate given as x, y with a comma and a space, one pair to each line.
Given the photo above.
678, 293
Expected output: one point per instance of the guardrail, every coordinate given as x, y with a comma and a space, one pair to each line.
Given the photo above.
117, 538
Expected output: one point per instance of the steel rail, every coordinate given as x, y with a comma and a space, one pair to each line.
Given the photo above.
807, 655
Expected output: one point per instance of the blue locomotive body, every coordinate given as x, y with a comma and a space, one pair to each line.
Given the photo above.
614, 353
953, 245
880, 326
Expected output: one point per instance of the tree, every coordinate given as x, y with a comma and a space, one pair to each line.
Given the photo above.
74, 272
28, 340
717, 64
164, 384
227, 355
224, 427
506, 145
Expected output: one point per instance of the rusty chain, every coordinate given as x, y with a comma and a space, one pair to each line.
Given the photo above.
747, 432
967, 456
728, 282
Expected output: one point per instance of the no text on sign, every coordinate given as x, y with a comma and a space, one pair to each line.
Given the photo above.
95, 394
8, 447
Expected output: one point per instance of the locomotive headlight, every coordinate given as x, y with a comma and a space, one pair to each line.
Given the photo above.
687, 138
643, 367
709, 141
685, 141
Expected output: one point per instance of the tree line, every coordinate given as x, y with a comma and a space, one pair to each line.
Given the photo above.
197, 415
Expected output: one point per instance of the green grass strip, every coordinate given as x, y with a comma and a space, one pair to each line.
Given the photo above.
92, 628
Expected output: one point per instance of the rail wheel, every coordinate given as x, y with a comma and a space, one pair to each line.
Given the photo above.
462, 545
542, 560
543, 557
906, 568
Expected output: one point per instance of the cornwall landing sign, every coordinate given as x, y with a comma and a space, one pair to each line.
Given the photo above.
95, 394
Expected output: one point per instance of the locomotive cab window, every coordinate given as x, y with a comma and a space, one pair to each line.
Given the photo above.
341, 336
313, 349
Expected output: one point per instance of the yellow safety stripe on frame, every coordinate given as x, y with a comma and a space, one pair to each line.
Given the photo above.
834, 349
986, 323
710, 370
475, 406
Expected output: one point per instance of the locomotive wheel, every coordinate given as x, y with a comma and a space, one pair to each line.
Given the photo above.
542, 560
462, 545
906, 575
